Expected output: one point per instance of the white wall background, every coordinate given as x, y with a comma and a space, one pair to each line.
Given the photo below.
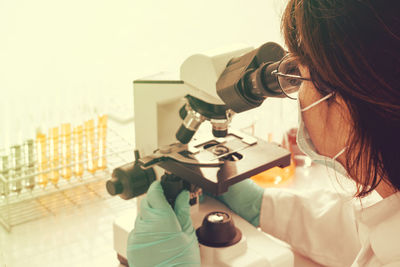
52, 50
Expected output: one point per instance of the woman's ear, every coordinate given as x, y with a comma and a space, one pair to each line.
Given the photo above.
340, 101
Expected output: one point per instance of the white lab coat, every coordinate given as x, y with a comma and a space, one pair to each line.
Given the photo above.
334, 229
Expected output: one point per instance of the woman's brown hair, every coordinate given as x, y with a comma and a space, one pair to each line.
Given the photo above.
352, 47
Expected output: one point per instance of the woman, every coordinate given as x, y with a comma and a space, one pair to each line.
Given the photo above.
348, 57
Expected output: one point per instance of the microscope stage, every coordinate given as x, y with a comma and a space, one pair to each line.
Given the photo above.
242, 160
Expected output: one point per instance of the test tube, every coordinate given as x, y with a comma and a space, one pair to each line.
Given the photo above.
4, 172
54, 158
16, 156
42, 162
102, 141
78, 150
66, 150
88, 107
91, 156
29, 163
28, 149
16, 159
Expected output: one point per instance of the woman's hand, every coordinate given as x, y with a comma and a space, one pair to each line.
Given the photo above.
244, 199
163, 236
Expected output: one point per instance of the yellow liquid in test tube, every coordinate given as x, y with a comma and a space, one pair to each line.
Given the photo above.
102, 138
66, 132
54, 157
90, 146
41, 153
78, 150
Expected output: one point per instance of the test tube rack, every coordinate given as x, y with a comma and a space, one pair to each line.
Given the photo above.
66, 195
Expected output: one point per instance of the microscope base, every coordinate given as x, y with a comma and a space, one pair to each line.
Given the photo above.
255, 249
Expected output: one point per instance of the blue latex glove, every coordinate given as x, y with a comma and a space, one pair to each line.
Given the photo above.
244, 199
162, 236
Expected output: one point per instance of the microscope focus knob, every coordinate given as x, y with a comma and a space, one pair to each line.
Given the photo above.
172, 186
130, 180
114, 187
218, 230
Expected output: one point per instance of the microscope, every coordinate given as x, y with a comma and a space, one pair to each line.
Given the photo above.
183, 138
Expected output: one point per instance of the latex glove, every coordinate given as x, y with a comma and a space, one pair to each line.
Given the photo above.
244, 199
162, 236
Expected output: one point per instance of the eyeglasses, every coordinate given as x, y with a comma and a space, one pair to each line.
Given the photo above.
289, 77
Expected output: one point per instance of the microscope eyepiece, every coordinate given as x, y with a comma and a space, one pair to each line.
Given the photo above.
260, 83
248, 80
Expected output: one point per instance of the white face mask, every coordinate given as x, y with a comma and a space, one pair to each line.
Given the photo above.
306, 145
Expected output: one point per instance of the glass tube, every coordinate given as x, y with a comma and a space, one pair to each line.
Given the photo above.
78, 150
90, 146
42, 163
16, 168
66, 150
102, 141
29, 163
54, 158
4, 171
